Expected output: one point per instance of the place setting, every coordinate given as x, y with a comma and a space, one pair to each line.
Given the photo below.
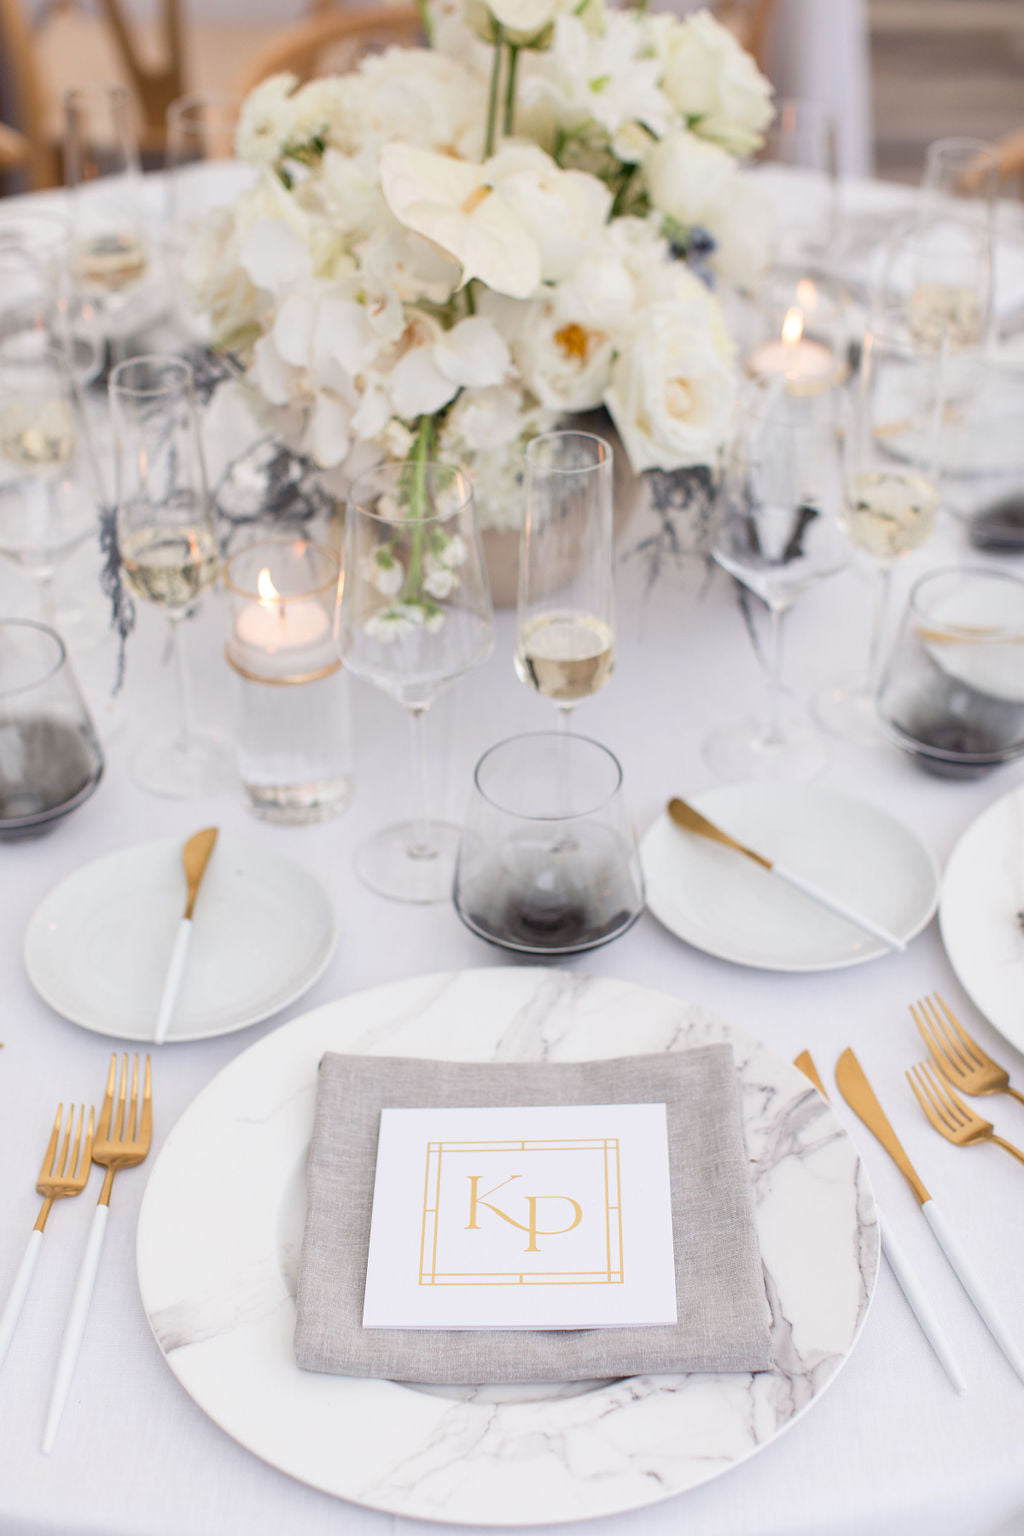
550, 510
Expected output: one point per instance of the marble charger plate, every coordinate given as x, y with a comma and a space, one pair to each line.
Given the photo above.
725, 904
218, 1251
982, 897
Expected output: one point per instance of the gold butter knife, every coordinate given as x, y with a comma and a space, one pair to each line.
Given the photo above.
691, 820
195, 857
860, 1096
900, 1265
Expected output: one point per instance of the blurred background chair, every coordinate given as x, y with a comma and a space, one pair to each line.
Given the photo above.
331, 40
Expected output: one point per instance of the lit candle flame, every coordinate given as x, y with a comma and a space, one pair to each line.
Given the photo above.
793, 326
268, 593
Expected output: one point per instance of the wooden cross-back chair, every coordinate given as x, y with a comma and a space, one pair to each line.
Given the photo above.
333, 39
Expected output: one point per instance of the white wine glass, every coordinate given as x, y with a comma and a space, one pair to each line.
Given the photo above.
890, 494
414, 616
110, 248
203, 177
566, 618
779, 537
48, 505
168, 547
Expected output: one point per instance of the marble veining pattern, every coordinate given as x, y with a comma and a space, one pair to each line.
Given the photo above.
217, 1269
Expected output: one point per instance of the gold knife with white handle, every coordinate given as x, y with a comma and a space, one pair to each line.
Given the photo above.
860, 1096
900, 1265
195, 857
692, 820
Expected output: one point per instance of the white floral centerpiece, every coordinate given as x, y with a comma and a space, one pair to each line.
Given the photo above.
453, 247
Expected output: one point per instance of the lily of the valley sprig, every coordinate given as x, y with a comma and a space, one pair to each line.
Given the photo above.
521, 221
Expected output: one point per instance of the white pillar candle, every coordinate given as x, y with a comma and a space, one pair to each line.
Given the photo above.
279, 637
797, 358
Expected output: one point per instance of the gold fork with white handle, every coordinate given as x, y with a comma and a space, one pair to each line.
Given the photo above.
948, 1113
65, 1172
119, 1142
957, 1055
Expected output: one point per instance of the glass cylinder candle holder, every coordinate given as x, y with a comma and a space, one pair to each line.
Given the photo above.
294, 729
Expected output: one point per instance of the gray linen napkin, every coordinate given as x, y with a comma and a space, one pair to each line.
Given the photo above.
722, 1310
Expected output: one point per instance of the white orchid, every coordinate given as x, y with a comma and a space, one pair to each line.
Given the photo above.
608, 77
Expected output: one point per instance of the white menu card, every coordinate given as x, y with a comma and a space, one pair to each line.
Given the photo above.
539, 1217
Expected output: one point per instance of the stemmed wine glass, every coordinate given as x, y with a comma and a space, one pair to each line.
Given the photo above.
566, 617
779, 537
110, 250
39, 307
414, 616
167, 544
890, 492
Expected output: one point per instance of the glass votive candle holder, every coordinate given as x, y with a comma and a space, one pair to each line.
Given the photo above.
952, 695
547, 861
799, 333
294, 736
50, 759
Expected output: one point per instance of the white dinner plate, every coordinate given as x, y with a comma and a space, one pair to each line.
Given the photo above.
220, 1230
721, 902
982, 897
98, 946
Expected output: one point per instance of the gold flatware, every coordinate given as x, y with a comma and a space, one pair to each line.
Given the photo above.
948, 1113
65, 1173
692, 820
195, 857
859, 1094
957, 1056
121, 1141
900, 1265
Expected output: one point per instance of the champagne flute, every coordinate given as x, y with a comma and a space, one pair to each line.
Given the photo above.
168, 546
414, 616
39, 307
47, 505
110, 251
203, 176
566, 616
779, 537
890, 493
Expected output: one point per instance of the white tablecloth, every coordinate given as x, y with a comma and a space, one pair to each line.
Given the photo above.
890, 1449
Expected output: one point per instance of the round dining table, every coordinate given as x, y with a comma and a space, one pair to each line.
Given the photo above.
890, 1448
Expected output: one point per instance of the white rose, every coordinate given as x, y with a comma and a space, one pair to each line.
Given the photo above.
672, 393
563, 211
717, 86
523, 21
686, 176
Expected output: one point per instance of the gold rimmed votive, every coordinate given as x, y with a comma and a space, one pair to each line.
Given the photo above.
294, 726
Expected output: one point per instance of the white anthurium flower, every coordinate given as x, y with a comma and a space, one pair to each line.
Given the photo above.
565, 365
267, 120
452, 203
710, 78
608, 77
274, 256
672, 394
686, 176
564, 211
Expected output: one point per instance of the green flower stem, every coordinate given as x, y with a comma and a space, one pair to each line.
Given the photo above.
510, 90
492, 99
418, 507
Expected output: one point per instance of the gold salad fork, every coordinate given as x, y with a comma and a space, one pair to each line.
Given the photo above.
949, 1114
955, 1053
121, 1141
65, 1172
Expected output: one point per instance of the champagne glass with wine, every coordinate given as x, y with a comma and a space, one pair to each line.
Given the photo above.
414, 616
167, 545
566, 618
890, 492
110, 250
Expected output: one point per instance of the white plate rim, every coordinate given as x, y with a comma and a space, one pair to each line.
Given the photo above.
964, 958
85, 1019
707, 801
864, 1250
